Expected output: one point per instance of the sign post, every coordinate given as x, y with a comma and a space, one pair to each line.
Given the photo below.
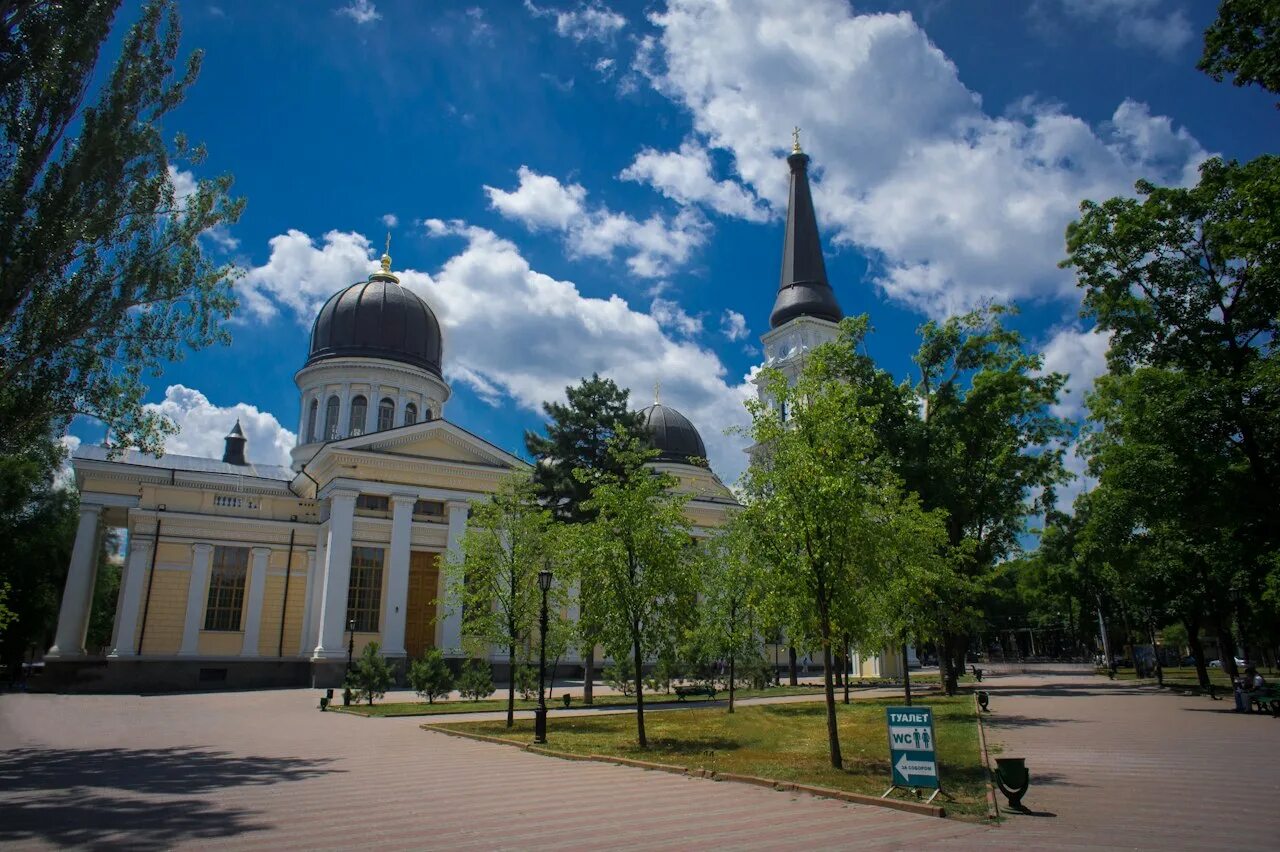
912, 749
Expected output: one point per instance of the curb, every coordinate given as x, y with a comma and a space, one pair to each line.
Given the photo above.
781, 786
993, 808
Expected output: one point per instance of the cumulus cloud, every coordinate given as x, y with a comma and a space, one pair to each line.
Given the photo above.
1143, 23
733, 325
202, 426
588, 22
185, 185
391, 220
507, 326
671, 316
685, 176
360, 11
65, 477
1082, 355
952, 205
655, 246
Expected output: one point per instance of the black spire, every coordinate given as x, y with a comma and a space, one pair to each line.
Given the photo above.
803, 290
234, 452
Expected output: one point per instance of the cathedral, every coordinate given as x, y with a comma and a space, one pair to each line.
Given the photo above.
240, 574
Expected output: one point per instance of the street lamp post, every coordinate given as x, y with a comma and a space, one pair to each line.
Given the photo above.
540, 715
351, 642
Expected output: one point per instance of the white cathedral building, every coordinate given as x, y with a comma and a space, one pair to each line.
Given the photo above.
240, 574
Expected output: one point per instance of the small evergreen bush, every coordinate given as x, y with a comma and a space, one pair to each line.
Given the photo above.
371, 676
476, 681
430, 676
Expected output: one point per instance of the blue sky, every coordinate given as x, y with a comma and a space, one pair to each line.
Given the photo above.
599, 187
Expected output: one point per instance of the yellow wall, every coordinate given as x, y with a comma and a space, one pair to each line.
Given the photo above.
273, 597
166, 611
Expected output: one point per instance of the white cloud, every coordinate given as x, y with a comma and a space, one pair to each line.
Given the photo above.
1082, 355
391, 220
685, 177
588, 22
360, 11
1077, 465
656, 245
513, 333
733, 325
202, 426
65, 477
952, 205
1146, 23
671, 316
185, 185
605, 67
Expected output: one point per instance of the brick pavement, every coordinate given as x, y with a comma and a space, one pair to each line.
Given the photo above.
1116, 766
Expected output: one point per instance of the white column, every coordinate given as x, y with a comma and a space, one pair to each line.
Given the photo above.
451, 635
257, 587
311, 575
315, 590
371, 410
132, 586
337, 577
344, 411
197, 597
77, 594
398, 574
401, 400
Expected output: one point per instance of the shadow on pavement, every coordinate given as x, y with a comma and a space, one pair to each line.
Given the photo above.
1000, 720
77, 818
160, 770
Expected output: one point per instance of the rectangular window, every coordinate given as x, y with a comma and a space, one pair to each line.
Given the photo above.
226, 588
364, 595
431, 508
373, 503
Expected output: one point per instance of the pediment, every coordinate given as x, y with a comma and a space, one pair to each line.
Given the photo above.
433, 440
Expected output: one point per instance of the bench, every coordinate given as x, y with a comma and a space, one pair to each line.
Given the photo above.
1267, 700
683, 692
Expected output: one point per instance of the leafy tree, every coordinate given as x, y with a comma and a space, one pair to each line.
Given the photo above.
103, 277
639, 546
1244, 42
371, 676
730, 598
818, 493
578, 436
476, 680
505, 546
106, 589
430, 676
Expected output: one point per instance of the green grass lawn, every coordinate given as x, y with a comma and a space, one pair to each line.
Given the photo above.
421, 708
786, 742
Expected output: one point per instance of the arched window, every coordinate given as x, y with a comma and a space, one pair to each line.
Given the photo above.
426, 414
359, 410
410, 414
312, 412
331, 419
386, 414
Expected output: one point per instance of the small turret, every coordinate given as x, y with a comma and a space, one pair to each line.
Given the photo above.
235, 444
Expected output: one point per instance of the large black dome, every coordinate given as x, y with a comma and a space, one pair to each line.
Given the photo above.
672, 435
377, 319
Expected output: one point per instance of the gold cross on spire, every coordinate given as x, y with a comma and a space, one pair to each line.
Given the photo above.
386, 255
657, 392
795, 141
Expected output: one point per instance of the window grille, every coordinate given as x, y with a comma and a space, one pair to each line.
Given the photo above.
386, 414
364, 594
226, 588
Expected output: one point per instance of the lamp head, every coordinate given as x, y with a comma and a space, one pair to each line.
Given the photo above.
544, 579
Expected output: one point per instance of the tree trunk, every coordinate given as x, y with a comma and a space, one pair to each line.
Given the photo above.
959, 646
791, 659
588, 675
1197, 652
732, 657
511, 686
1227, 650
844, 668
906, 676
833, 731
644, 743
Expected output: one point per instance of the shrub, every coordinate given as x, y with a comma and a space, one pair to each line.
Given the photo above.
621, 675
526, 681
430, 677
476, 681
371, 676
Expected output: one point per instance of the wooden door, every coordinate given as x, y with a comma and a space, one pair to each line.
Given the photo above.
420, 607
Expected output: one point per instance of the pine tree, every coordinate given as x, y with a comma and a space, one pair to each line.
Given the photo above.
476, 681
371, 676
430, 676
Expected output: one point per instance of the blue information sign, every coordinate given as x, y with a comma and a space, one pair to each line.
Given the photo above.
912, 749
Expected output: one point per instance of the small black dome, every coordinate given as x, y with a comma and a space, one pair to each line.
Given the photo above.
672, 435
377, 319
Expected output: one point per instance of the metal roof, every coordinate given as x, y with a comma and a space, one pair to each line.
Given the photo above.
192, 464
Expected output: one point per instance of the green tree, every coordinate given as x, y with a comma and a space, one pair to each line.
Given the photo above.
639, 546
476, 680
1244, 42
103, 277
371, 676
578, 436
430, 677
506, 544
729, 627
818, 493
106, 589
